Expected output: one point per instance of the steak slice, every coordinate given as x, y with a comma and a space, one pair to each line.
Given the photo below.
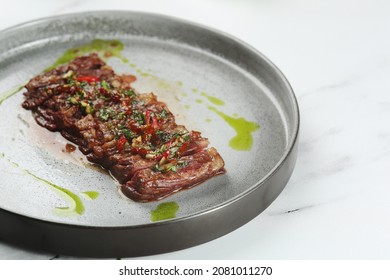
147, 183
132, 135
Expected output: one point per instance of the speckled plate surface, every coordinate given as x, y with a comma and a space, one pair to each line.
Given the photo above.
212, 82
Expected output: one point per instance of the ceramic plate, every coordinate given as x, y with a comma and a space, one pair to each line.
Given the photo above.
212, 82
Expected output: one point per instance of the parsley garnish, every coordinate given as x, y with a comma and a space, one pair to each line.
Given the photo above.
129, 92
104, 114
105, 85
128, 134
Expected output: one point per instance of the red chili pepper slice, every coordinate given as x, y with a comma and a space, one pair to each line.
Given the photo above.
183, 148
121, 142
147, 116
154, 122
126, 103
134, 127
166, 154
141, 151
151, 120
88, 79
129, 111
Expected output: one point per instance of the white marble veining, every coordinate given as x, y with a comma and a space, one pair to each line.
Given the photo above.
336, 55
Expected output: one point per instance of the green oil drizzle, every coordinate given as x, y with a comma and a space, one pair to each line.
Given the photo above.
187, 106
76, 205
199, 101
91, 195
214, 100
243, 140
7, 94
164, 211
142, 73
105, 49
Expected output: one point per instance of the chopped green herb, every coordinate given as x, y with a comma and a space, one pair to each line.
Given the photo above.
172, 168
129, 92
128, 134
105, 85
104, 114
159, 133
139, 117
158, 168
182, 163
173, 151
164, 114
121, 116
83, 84
70, 81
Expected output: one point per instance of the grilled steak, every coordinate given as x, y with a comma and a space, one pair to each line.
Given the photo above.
132, 135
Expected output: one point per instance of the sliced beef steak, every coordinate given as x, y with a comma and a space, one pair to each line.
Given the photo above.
132, 135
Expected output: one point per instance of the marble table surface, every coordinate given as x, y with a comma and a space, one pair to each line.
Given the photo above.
336, 55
